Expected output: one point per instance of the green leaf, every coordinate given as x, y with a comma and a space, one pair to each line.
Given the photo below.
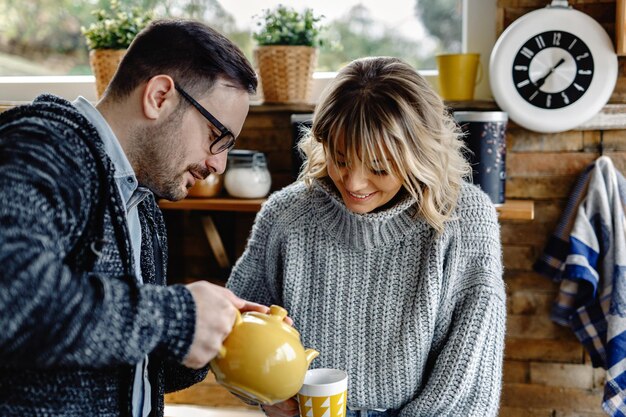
115, 28
285, 26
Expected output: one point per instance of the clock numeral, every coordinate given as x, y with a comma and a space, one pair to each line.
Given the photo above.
527, 52
552, 70
540, 43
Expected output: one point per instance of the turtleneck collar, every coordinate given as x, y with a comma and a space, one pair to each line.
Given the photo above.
366, 230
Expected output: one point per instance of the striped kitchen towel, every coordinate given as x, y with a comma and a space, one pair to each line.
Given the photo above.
587, 255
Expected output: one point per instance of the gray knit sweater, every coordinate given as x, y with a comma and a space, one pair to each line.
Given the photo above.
417, 319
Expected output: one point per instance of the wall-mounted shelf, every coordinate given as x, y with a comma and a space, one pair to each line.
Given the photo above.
510, 210
611, 117
214, 204
516, 210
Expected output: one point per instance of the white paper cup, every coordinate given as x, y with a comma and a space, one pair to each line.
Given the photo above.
324, 393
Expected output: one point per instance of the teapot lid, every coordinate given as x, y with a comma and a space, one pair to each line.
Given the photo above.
276, 315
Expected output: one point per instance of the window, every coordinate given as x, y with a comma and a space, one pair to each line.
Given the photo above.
38, 54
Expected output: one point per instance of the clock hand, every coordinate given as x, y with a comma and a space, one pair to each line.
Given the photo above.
542, 80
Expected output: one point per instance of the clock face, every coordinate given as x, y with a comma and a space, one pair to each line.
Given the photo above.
553, 69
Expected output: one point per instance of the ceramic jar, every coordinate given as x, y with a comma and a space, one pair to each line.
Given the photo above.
246, 174
262, 359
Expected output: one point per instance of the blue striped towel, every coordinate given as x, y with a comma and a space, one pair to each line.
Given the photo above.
587, 255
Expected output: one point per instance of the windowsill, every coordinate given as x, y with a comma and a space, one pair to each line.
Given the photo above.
260, 107
24, 89
17, 90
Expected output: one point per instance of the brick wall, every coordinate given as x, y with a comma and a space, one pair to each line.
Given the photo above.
546, 371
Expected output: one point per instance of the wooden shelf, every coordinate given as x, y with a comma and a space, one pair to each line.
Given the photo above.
214, 204
510, 210
516, 210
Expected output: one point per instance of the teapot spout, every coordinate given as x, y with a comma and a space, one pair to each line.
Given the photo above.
310, 354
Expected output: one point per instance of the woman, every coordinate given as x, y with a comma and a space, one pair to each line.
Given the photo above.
388, 261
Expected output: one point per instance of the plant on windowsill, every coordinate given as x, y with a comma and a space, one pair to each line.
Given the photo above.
109, 37
286, 55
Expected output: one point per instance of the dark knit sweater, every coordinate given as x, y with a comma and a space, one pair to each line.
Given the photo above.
74, 320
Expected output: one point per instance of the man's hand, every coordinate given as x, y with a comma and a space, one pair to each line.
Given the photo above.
215, 315
288, 408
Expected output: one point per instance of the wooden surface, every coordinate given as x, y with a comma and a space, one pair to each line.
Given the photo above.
260, 107
186, 410
214, 204
517, 210
215, 241
510, 210
208, 393
620, 27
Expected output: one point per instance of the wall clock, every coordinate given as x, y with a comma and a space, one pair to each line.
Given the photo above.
553, 68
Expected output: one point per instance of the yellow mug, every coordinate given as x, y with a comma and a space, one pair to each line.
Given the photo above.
324, 393
458, 75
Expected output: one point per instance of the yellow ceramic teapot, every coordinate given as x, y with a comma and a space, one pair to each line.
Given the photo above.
262, 358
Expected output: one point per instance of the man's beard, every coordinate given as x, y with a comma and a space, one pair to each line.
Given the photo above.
157, 154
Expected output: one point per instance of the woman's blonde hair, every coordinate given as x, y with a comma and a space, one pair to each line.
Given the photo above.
380, 109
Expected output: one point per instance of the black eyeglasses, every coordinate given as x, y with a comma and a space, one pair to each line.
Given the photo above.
226, 140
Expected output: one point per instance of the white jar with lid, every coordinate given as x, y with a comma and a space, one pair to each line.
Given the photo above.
246, 174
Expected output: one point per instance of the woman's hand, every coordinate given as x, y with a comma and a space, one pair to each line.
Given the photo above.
288, 408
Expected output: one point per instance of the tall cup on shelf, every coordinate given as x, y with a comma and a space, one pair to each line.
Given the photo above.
458, 75
324, 393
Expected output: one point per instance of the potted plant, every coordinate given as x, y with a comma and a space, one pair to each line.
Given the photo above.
109, 37
286, 55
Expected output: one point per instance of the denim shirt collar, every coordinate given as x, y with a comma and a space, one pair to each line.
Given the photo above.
124, 175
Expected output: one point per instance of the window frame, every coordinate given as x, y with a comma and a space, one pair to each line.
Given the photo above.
479, 35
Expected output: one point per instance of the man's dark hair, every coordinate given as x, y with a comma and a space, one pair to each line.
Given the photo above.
193, 54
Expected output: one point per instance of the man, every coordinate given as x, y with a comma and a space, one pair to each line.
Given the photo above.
88, 327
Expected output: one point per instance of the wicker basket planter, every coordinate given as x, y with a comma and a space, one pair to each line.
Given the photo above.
104, 63
286, 72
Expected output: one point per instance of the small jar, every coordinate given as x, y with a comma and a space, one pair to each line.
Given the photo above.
211, 186
247, 175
